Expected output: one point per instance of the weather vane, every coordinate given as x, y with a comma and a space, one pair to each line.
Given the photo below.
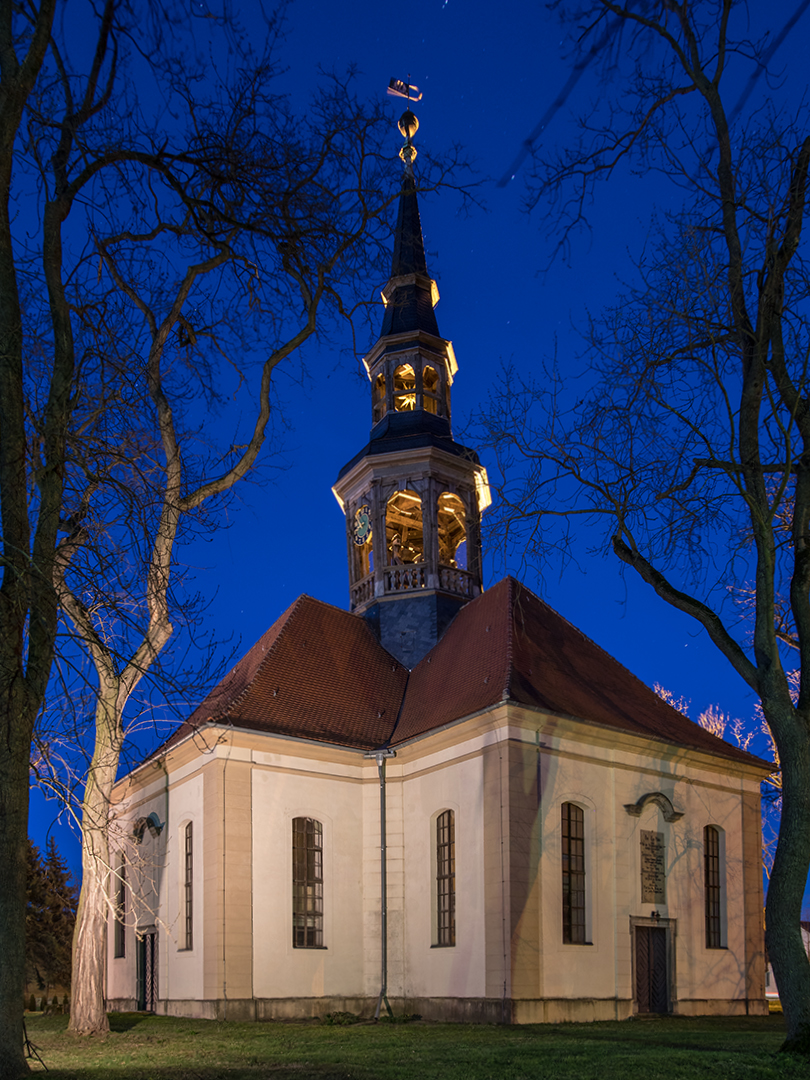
407, 124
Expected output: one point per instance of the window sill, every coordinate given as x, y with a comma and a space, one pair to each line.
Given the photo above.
311, 948
448, 946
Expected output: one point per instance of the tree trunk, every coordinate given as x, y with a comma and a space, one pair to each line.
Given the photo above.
88, 1011
785, 891
13, 850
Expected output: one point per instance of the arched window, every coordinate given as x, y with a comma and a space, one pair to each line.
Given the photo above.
188, 886
446, 879
452, 531
405, 388
712, 886
119, 933
573, 874
403, 529
430, 390
379, 398
307, 837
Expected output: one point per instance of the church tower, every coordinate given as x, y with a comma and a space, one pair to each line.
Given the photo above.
412, 497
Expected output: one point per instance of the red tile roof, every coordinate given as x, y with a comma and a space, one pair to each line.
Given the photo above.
320, 674
509, 644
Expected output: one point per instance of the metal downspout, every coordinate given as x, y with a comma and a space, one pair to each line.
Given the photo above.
380, 756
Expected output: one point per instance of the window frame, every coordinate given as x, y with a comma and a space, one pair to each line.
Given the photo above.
119, 925
188, 887
307, 884
444, 880
573, 878
713, 886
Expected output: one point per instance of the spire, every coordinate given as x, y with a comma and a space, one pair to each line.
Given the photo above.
410, 294
412, 496
409, 247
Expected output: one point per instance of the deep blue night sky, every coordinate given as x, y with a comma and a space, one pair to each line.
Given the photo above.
488, 72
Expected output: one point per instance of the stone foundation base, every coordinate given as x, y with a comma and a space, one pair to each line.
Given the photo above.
450, 1010
571, 1011
122, 1005
711, 1007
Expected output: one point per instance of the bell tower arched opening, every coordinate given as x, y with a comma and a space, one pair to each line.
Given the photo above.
404, 388
404, 530
431, 390
452, 525
379, 404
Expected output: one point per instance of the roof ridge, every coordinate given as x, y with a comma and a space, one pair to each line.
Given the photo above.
510, 631
626, 670
402, 700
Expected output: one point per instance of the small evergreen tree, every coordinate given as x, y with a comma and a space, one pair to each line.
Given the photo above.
36, 944
51, 900
62, 902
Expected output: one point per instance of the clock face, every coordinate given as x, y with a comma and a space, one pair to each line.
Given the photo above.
362, 526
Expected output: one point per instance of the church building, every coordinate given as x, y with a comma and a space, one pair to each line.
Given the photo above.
445, 800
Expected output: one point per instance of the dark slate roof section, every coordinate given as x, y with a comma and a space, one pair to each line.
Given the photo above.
318, 673
430, 353
397, 425
410, 308
409, 247
387, 436
509, 645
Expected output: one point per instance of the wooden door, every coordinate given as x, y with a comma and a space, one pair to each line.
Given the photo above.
652, 973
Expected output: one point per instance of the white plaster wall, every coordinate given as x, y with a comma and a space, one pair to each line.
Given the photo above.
182, 976
120, 969
457, 971
613, 873
345, 799
279, 969
708, 973
146, 873
569, 971
395, 880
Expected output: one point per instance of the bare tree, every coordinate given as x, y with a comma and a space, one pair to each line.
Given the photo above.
316, 195
150, 254
684, 442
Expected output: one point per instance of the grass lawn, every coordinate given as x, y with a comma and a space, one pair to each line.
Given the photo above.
668, 1048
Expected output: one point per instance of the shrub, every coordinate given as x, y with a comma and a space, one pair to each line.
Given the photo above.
340, 1018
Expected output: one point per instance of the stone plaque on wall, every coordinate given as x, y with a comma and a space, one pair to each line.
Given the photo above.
653, 868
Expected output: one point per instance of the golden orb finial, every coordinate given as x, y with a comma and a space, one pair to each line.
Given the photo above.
408, 123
